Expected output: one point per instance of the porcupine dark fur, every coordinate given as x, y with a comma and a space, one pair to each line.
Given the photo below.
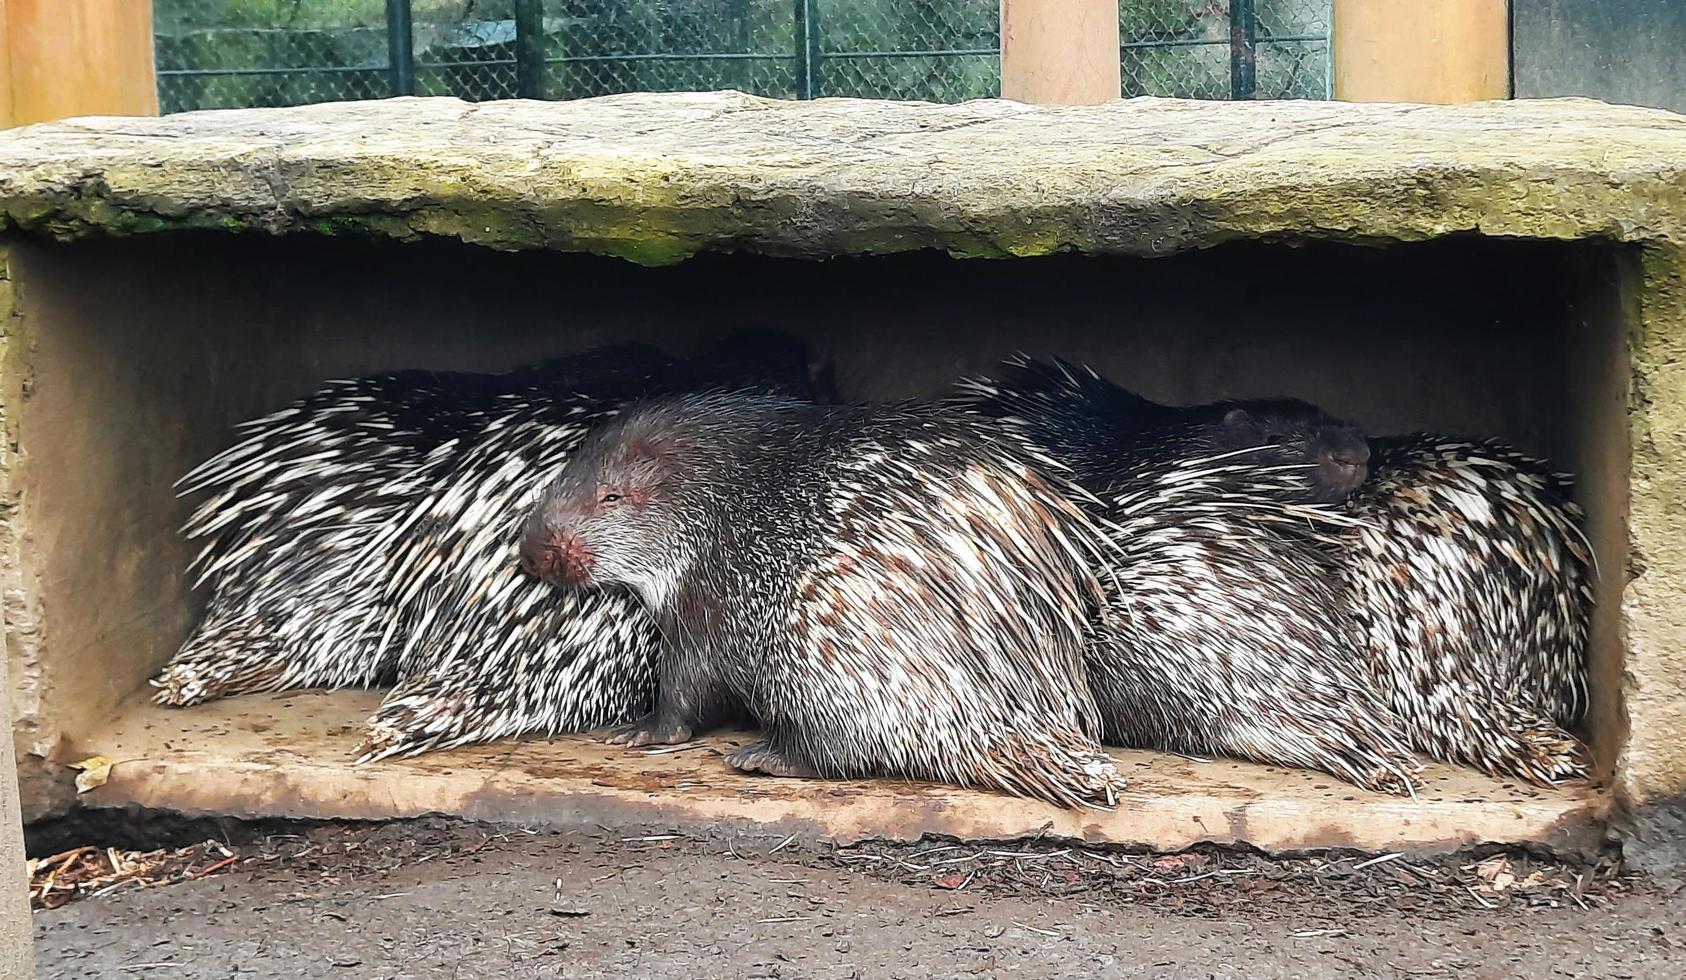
1101, 430
491, 652
889, 590
1471, 579
1226, 629
300, 512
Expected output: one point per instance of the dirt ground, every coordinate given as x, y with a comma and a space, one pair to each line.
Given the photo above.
432, 899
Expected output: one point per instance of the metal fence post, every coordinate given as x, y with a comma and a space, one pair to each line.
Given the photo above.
807, 48
1243, 49
529, 49
401, 47
740, 8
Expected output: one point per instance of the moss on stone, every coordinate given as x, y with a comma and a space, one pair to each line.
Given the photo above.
657, 178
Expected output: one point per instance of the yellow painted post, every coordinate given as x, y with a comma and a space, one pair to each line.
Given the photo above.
1440, 51
5, 67
66, 58
1059, 52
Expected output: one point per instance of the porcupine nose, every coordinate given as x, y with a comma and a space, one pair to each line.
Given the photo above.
558, 557
1348, 466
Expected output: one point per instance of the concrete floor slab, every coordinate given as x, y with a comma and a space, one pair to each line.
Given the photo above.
291, 756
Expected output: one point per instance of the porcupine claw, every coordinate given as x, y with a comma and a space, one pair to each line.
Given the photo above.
652, 729
376, 745
1541, 753
410, 725
1567, 759
760, 756
180, 686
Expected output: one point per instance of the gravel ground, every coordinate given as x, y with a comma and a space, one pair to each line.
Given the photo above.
436, 899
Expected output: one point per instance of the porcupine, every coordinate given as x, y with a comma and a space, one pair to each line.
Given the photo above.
1100, 429
1226, 629
491, 652
298, 507
889, 590
314, 505
1471, 579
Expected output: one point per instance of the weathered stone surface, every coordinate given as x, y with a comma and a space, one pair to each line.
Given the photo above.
1652, 767
655, 178
290, 757
43, 791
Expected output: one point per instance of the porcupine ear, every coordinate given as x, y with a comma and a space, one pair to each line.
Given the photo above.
646, 450
1241, 424
649, 458
823, 371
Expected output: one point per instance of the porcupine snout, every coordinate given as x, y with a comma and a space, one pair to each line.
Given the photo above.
557, 555
1345, 463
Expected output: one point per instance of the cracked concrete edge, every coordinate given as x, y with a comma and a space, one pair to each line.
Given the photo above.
45, 788
1651, 771
16, 929
844, 815
655, 178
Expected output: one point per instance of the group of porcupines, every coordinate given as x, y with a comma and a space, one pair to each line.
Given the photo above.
982, 589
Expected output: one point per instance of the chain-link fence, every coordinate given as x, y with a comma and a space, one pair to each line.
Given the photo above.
226, 53
1225, 49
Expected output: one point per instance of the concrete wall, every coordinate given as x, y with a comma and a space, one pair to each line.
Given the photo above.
16, 960
136, 356
1626, 51
16, 930
1652, 769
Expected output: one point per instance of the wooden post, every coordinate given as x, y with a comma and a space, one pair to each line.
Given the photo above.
66, 58
1422, 50
1060, 52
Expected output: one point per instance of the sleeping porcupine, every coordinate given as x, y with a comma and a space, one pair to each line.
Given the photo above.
1225, 629
1101, 430
1471, 578
1465, 571
312, 509
484, 651
491, 652
302, 510
890, 591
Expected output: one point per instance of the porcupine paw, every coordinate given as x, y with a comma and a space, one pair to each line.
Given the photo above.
1375, 763
1553, 756
409, 725
1395, 780
652, 729
183, 685
380, 741
760, 756
1066, 770
1518, 742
